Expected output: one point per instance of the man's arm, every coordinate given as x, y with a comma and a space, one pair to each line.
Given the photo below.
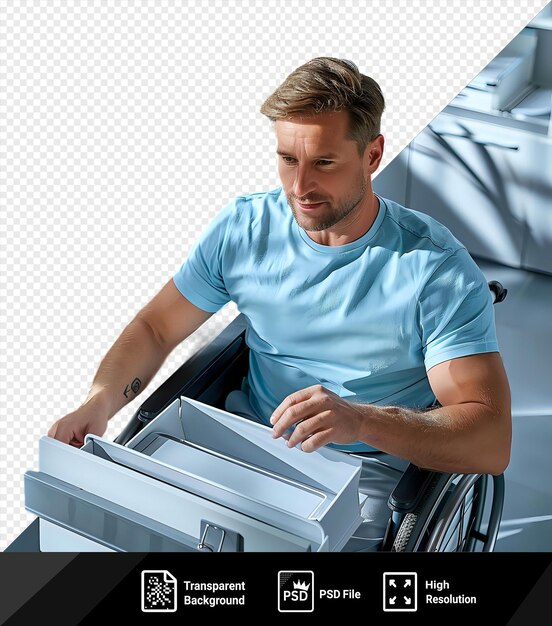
132, 362
470, 433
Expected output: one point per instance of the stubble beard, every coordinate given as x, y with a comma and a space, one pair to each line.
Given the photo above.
334, 214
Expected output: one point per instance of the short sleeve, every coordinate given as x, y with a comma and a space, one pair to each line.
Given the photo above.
456, 313
200, 278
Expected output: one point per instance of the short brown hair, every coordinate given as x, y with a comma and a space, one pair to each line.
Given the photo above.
327, 84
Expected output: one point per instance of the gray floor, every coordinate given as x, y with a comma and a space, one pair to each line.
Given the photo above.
524, 331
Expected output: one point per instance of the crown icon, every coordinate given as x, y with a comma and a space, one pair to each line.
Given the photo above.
301, 585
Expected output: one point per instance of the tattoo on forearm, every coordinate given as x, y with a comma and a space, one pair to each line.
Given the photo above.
134, 386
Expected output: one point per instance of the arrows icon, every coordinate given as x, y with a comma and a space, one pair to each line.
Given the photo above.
400, 591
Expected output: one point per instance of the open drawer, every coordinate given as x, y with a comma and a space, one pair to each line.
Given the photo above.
195, 478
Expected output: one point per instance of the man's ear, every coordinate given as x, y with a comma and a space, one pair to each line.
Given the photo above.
373, 154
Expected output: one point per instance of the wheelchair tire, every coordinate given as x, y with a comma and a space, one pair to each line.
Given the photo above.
413, 527
404, 532
425, 530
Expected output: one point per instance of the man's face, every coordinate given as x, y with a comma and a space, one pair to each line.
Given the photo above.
324, 178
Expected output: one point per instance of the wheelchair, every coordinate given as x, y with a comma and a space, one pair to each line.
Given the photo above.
429, 511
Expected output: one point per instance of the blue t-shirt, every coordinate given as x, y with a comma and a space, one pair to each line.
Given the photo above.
366, 319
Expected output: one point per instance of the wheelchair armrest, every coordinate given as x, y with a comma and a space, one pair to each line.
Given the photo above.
411, 488
193, 378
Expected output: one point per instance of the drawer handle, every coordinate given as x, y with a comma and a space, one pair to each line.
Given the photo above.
215, 538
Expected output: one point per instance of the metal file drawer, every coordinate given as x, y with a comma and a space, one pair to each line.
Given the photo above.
194, 473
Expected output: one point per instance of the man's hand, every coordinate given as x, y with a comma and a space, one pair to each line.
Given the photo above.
320, 416
71, 429
470, 433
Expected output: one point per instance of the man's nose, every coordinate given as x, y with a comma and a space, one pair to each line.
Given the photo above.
304, 181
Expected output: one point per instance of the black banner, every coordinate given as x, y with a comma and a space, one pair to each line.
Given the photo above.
88, 588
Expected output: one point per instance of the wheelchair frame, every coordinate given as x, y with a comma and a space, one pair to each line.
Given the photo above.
428, 508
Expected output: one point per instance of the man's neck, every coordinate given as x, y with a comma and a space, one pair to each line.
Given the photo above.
352, 227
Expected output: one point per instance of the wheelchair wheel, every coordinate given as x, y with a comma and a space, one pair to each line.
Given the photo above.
450, 516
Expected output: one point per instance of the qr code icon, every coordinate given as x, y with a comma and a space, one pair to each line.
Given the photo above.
158, 591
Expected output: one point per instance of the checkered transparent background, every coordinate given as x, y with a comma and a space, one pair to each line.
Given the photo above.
126, 125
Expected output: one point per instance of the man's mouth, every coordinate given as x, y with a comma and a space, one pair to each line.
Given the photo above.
309, 206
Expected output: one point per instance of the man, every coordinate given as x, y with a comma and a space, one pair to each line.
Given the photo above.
362, 313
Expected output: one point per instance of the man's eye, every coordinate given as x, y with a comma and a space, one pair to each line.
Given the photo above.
324, 162
288, 159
